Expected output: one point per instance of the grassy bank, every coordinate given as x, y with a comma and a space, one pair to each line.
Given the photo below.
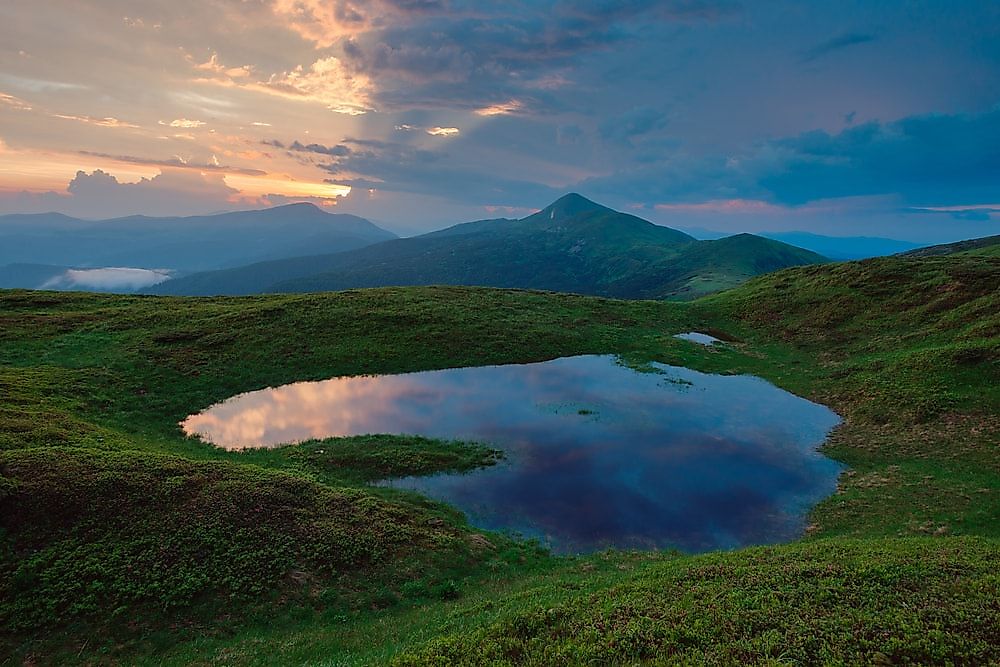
123, 538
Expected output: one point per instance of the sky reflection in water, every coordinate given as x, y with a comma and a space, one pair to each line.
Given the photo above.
597, 454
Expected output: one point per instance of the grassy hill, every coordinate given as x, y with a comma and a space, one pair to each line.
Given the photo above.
573, 245
125, 542
988, 245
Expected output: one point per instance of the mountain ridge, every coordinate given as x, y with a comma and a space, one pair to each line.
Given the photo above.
183, 244
571, 245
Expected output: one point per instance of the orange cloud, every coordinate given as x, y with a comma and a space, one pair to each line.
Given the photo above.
184, 122
327, 81
275, 184
101, 122
322, 22
14, 102
443, 131
503, 108
213, 66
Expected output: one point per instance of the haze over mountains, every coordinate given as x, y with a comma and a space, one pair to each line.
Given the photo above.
56, 251
573, 245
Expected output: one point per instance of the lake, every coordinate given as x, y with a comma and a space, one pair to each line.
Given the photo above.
597, 454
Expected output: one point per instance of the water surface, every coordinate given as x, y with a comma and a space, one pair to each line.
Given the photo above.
598, 454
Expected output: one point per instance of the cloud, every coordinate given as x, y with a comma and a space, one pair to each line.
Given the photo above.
327, 81
926, 160
214, 67
636, 122
15, 103
99, 194
934, 159
185, 123
838, 43
112, 278
298, 147
663, 10
177, 163
100, 122
402, 168
325, 22
436, 131
501, 108
494, 58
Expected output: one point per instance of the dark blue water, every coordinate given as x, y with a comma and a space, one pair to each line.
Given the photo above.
598, 455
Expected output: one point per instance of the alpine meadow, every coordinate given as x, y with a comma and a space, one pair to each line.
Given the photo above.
463, 333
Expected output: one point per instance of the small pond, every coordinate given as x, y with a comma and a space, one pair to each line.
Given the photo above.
597, 454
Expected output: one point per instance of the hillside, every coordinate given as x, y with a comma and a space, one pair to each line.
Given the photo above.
181, 244
989, 245
283, 563
573, 245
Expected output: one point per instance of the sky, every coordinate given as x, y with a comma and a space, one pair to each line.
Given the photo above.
841, 118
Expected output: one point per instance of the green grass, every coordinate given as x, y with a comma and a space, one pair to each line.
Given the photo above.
839, 602
124, 541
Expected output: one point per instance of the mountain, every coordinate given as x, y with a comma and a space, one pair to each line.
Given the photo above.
187, 244
988, 245
573, 245
843, 247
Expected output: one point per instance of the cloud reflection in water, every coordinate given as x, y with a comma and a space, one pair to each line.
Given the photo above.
598, 454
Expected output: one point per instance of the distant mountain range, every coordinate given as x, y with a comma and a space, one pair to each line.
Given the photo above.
179, 245
843, 247
573, 245
832, 247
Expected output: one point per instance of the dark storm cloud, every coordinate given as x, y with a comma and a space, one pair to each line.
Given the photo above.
494, 53
935, 158
339, 150
929, 159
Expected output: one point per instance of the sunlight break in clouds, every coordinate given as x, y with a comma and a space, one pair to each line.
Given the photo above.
327, 81
185, 123
326, 22
100, 122
442, 131
503, 108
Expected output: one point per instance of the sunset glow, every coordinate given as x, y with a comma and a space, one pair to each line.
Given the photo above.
686, 113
